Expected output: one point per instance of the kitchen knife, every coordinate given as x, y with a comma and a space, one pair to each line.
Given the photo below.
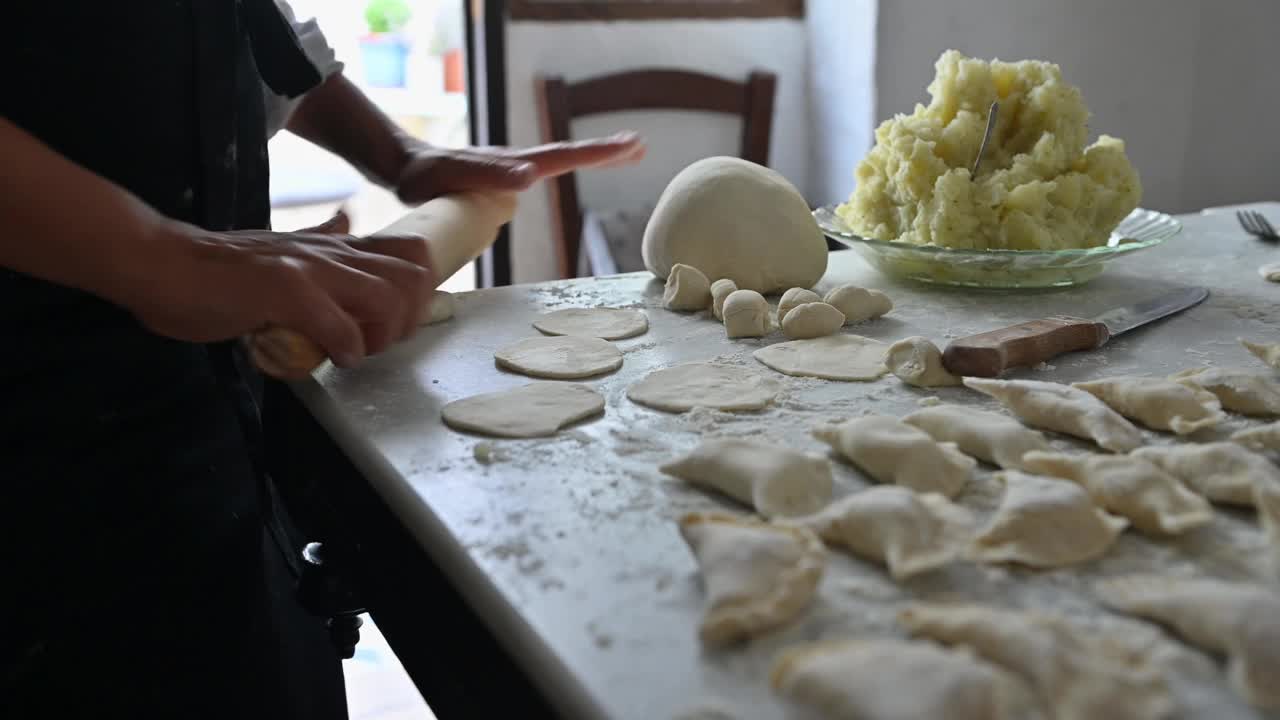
991, 353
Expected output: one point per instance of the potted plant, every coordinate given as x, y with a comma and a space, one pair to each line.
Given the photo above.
385, 49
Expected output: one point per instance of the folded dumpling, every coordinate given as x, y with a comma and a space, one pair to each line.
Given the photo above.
1248, 392
1262, 437
890, 451
1223, 472
1064, 409
776, 481
1269, 354
991, 437
1158, 403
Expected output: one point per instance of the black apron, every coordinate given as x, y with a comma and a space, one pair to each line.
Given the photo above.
136, 572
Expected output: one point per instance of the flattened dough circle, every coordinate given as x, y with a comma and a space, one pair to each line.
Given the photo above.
603, 323
835, 357
712, 385
535, 410
560, 357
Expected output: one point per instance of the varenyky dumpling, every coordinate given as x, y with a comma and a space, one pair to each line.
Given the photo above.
1240, 621
1269, 354
1045, 522
1267, 497
1223, 472
1248, 392
991, 437
891, 679
757, 576
1158, 403
906, 531
890, 451
1064, 409
1153, 500
1262, 437
776, 481
1080, 675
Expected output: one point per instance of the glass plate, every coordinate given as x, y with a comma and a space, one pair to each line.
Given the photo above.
1002, 269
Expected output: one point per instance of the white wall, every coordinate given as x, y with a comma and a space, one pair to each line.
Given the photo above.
580, 49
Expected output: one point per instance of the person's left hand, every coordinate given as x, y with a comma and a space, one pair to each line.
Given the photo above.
439, 171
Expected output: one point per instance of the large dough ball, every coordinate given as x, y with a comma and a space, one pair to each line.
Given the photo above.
734, 219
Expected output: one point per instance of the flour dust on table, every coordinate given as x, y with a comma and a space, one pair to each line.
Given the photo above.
535, 410
835, 357
568, 357
599, 322
704, 385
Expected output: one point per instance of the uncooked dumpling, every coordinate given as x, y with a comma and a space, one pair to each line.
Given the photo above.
1064, 409
1222, 472
834, 357
1240, 621
1045, 523
858, 304
1078, 674
812, 320
905, 531
775, 481
1158, 403
746, 314
565, 357
1263, 437
603, 323
1153, 500
991, 437
534, 410
686, 289
1266, 496
736, 219
917, 361
890, 451
1269, 354
711, 385
890, 679
720, 291
757, 576
1249, 392
793, 298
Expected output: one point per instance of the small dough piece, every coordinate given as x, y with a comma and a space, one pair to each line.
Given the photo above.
711, 385
1080, 675
890, 679
1269, 354
1248, 392
891, 451
1270, 272
834, 357
1263, 437
907, 532
991, 437
1154, 501
757, 576
441, 309
687, 289
1045, 523
721, 289
1158, 403
746, 314
793, 298
603, 323
917, 361
565, 357
1223, 472
812, 320
1062, 408
535, 410
858, 304
775, 481
1238, 620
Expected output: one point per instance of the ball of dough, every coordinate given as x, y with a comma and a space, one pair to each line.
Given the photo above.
794, 297
734, 219
917, 361
721, 289
687, 289
811, 320
857, 303
441, 309
746, 314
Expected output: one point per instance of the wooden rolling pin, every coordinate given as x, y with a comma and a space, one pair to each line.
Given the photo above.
458, 228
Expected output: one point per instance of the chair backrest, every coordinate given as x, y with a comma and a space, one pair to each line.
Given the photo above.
649, 89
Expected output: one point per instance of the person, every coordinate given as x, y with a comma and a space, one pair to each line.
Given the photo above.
134, 251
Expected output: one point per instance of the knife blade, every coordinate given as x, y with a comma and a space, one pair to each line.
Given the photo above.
989, 354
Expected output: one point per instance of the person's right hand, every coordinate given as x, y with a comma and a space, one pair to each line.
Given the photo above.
352, 296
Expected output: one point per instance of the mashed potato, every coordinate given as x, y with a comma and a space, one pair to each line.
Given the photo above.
1038, 187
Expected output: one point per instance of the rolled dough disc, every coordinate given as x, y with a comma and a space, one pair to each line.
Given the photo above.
560, 358
835, 357
441, 309
604, 323
711, 385
535, 410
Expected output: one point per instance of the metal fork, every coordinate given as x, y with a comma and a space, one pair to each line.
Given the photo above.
1257, 225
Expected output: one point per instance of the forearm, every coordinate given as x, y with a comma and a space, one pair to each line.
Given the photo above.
338, 117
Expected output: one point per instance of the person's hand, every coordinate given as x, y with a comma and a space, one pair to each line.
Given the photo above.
431, 172
352, 296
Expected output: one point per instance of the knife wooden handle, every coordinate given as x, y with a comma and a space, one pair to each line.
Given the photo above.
457, 229
989, 354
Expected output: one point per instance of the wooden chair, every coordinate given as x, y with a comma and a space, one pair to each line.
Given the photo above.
648, 89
